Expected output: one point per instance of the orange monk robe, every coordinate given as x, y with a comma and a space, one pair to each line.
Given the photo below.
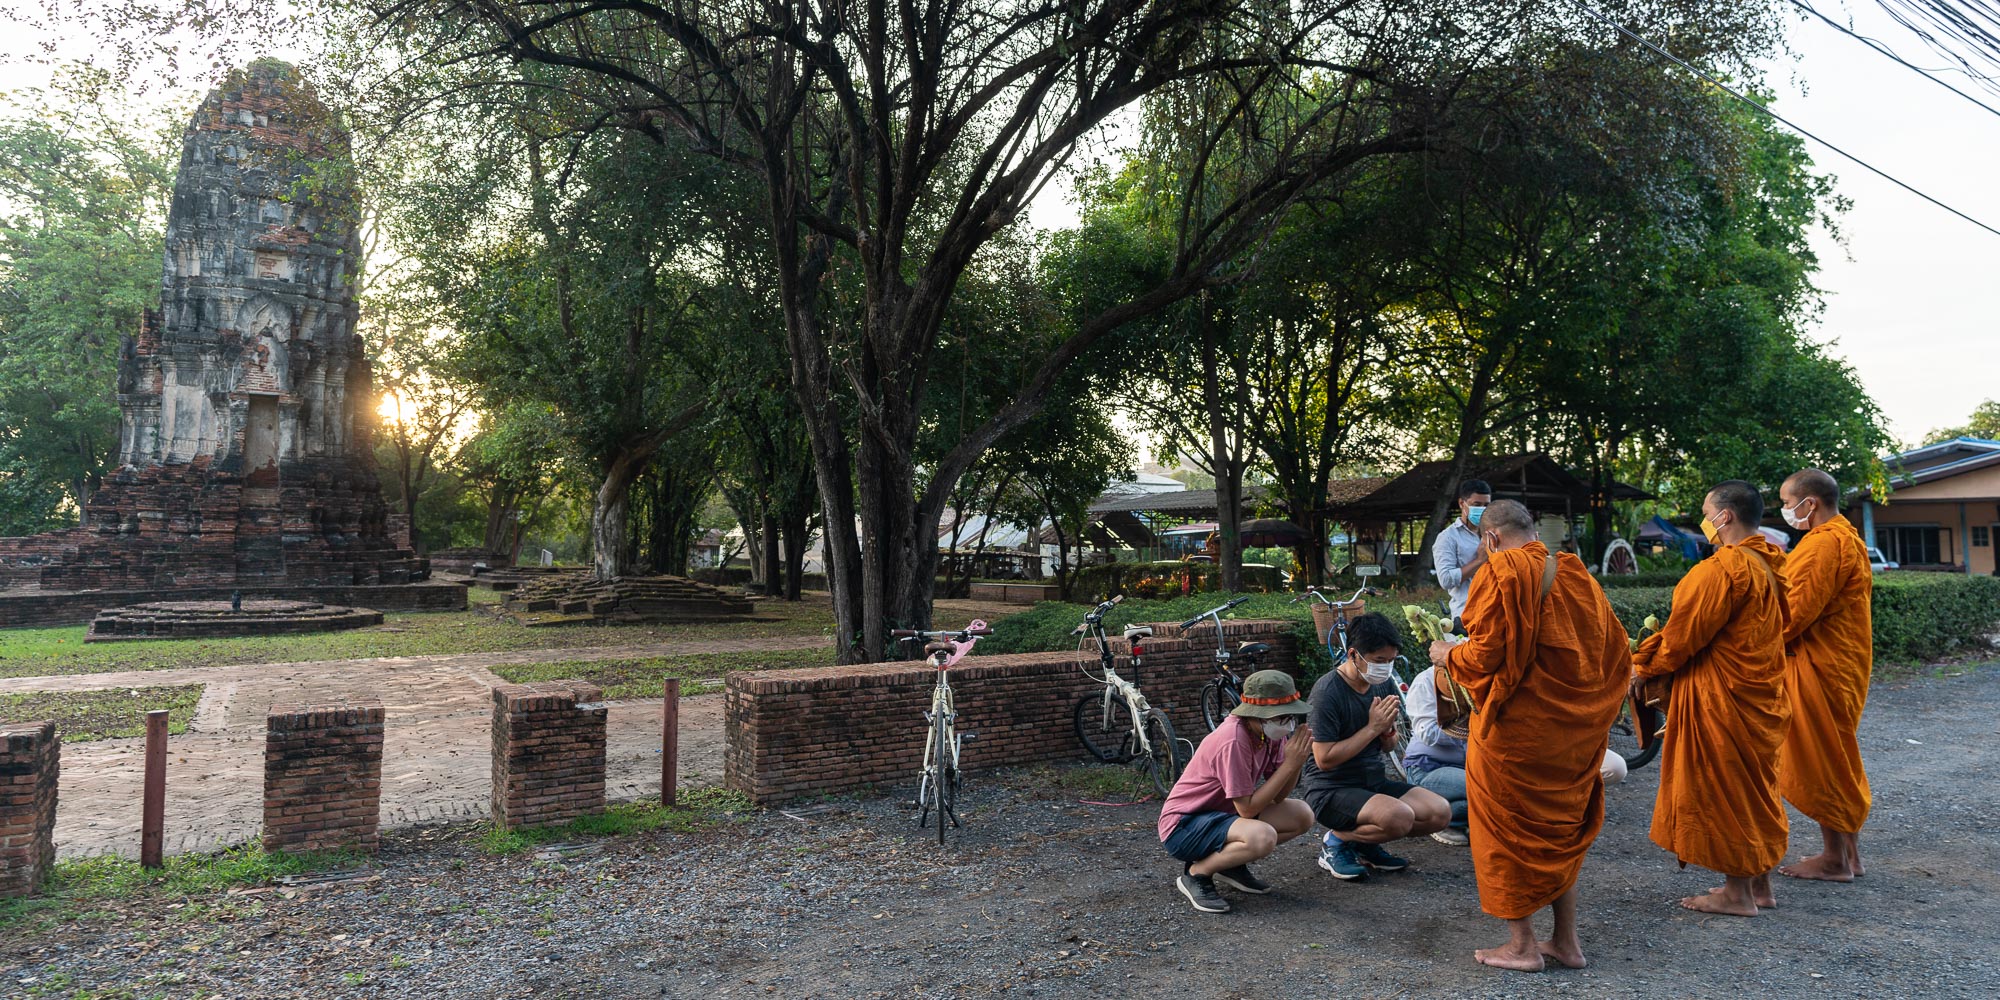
1829, 656
1724, 642
1548, 677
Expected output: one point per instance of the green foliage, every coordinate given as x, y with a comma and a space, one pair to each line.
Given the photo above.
83, 191
103, 714
693, 809
1162, 579
1921, 617
1647, 579
1632, 605
74, 885
1985, 423
643, 678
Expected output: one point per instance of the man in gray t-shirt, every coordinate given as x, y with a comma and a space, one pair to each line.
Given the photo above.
1460, 548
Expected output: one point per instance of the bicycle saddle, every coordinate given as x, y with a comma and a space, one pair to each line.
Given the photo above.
1138, 632
1253, 649
932, 648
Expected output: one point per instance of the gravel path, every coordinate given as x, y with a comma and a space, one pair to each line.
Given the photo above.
1044, 896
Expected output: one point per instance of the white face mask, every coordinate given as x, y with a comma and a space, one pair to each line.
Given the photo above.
1376, 673
1795, 520
1280, 730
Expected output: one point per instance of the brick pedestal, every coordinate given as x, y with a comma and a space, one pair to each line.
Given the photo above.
794, 733
30, 757
548, 752
323, 777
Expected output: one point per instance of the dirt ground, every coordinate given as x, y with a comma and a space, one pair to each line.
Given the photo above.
1043, 895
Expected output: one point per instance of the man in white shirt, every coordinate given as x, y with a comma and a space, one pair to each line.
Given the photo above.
1460, 549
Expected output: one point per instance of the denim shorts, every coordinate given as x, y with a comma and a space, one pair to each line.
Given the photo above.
1199, 835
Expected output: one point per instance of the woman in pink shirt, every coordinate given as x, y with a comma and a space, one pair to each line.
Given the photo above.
1232, 805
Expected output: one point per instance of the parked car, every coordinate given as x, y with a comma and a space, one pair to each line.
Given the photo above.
1879, 562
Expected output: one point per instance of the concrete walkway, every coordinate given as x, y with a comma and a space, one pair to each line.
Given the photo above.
435, 764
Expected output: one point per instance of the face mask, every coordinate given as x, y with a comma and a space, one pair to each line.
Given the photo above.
1473, 514
1795, 520
1279, 731
1376, 673
1709, 531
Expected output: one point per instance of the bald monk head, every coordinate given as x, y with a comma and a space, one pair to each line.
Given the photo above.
1732, 508
1810, 497
1509, 523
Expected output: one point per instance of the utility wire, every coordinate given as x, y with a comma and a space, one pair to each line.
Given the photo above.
1739, 95
1885, 50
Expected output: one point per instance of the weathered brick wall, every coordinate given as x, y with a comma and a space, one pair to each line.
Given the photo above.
793, 733
42, 609
548, 752
323, 777
30, 758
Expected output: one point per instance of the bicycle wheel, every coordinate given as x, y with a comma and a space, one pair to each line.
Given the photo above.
1217, 701
1105, 732
945, 771
1163, 759
1626, 738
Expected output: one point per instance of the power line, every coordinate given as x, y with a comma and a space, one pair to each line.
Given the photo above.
1885, 50
1733, 92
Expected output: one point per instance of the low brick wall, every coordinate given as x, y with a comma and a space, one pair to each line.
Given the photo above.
548, 752
793, 733
46, 608
323, 777
30, 759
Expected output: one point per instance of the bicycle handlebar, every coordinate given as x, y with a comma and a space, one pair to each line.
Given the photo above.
1314, 592
909, 634
1097, 615
1214, 612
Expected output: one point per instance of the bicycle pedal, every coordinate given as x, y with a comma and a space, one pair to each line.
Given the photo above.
967, 737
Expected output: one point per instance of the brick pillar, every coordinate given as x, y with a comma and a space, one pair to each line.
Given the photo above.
30, 757
548, 752
323, 777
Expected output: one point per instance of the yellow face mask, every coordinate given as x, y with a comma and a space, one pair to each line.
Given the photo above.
1708, 529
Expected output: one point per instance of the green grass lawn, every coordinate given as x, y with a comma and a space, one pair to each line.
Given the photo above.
81, 716
642, 678
39, 651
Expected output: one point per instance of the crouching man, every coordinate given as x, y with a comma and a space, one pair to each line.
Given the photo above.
1231, 805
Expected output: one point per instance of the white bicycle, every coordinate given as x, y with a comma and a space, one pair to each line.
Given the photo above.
1116, 724
937, 788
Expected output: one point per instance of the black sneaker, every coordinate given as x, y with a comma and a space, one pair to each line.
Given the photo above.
1375, 857
1240, 879
1200, 890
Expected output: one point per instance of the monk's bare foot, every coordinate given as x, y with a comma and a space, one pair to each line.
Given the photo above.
1760, 893
1508, 958
1854, 862
1569, 954
1719, 901
1819, 868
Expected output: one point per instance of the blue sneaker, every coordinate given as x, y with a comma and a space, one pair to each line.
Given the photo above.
1375, 857
1339, 859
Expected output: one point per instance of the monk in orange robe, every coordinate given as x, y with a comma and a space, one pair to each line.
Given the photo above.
1548, 672
1724, 644
1829, 656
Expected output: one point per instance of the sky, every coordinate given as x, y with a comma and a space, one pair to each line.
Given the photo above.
1908, 287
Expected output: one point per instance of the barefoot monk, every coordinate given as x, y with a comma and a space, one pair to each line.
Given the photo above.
1724, 645
1829, 655
1547, 666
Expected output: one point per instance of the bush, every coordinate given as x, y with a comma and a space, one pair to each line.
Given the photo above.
1165, 579
1920, 617
1047, 627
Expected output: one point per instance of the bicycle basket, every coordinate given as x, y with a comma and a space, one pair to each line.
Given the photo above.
1324, 615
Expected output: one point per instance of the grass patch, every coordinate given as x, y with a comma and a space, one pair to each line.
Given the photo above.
75, 887
81, 716
694, 809
1095, 782
59, 651
641, 678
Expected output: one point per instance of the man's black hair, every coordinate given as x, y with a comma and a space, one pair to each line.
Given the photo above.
1741, 498
1818, 485
1474, 487
1372, 633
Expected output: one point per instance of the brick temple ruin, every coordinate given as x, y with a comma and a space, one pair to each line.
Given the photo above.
246, 400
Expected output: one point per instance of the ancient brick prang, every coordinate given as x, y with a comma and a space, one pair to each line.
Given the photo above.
246, 401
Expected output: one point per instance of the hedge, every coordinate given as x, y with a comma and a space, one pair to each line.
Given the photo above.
1048, 625
1165, 579
1642, 580
1919, 617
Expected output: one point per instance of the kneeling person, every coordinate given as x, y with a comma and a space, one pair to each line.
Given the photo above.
1231, 805
1347, 781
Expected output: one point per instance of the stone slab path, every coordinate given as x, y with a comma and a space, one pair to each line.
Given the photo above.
435, 758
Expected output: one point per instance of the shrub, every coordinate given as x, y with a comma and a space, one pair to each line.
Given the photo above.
1920, 617
1665, 579
1165, 579
1047, 627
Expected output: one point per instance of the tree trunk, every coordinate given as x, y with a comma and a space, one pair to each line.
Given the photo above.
796, 534
1228, 467
1471, 428
608, 527
768, 527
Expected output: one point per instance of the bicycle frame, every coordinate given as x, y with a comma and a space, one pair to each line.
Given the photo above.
1093, 625
941, 721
